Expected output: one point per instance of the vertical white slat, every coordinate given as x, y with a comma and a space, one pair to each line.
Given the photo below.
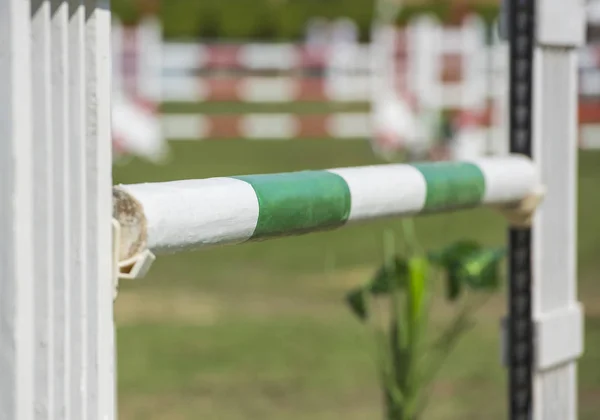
117, 54
16, 219
101, 350
555, 229
149, 59
473, 55
62, 185
43, 208
77, 176
425, 59
556, 312
383, 65
500, 76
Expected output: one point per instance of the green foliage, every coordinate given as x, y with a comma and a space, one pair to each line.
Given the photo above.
126, 10
488, 11
272, 19
408, 363
469, 264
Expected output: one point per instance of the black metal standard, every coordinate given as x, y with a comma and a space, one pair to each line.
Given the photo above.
521, 33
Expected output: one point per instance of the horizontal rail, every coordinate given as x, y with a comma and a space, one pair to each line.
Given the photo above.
190, 214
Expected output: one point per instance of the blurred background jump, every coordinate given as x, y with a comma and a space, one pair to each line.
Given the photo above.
442, 94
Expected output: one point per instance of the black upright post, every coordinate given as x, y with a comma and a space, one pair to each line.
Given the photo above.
521, 33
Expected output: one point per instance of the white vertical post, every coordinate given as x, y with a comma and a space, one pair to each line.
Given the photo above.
148, 48
424, 61
470, 93
98, 200
56, 325
16, 218
78, 291
60, 293
43, 250
500, 75
557, 315
473, 55
117, 54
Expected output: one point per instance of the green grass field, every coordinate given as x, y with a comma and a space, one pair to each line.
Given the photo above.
259, 331
244, 107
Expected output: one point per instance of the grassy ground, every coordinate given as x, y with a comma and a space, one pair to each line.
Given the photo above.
258, 331
320, 107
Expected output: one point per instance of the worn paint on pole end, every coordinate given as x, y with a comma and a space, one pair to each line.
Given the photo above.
129, 212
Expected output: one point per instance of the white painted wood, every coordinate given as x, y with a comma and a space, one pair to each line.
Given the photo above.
269, 126
43, 210
101, 404
559, 336
149, 59
500, 93
56, 334
555, 227
76, 294
16, 184
424, 60
473, 52
370, 190
231, 217
117, 54
61, 282
562, 23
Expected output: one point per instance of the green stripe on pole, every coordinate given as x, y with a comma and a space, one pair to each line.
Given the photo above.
294, 203
452, 185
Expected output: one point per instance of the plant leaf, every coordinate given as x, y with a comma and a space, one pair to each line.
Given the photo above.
481, 269
418, 271
357, 301
393, 272
442, 348
468, 264
394, 399
453, 253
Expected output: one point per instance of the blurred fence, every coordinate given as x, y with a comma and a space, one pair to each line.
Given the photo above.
457, 69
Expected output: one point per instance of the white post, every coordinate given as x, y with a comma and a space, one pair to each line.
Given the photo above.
117, 54
149, 59
16, 214
500, 81
557, 315
56, 334
473, 87
101, 348
424, 61
43, 212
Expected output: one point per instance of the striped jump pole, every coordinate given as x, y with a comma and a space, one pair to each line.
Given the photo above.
192, 214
